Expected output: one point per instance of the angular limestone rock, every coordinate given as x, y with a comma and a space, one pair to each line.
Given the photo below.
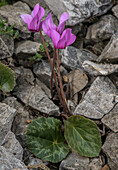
110, 148
110, 52
96, 69
111, 119
73, 58
103, 29
13, 146
9, 162
99, 100
79, 10
7, 115
36, 98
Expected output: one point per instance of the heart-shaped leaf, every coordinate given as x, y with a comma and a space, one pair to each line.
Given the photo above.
45, 139
83, 136
7, 78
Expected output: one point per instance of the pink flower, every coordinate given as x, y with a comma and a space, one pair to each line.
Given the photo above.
64, 40
33, 21
61, 39
48, 24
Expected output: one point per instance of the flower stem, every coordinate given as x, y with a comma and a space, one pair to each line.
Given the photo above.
53, 71
51, 83
61, 86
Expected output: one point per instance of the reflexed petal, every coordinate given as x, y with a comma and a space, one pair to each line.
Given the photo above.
71, 40
55, 37
35, 10
66, 39
41, 13
64, 17
48, 25
34, 25
62, 42
26, 18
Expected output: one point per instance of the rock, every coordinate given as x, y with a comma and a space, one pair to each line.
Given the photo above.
12, 13
19, 125
34, 2
95, 164
99, 100
79, 10
13, 146
110, 52
95, 69
26, 49
73, 58
7, 115
43, 72
22, 6
110, 148
6, 47
115, 10
44, 88
71, 105
75, 162
111, 119
103, 29
9, 162
24, 73
35, 97
34, 162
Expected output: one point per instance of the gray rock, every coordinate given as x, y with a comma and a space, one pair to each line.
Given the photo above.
13, 146
6, 47
95, 164
35, 162
73, 58
115, 10
99, 100
26, 49
110, 148
43, 71
75, 162
24, 73
7, 115
95, 69
44, 88
22, 6
34, 2
110, 52
35, 97
79, 10
9, 162
111, 119
103, 29
19, 125
12, 13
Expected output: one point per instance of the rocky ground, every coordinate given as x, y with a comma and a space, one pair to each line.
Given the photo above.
94, 55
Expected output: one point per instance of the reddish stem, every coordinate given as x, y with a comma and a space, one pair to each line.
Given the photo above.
51, 83
61, 86
58, 91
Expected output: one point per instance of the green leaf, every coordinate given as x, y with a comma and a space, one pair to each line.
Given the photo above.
45, 139
83, 136
7, 78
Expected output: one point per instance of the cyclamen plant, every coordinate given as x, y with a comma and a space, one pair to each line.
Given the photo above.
44, 135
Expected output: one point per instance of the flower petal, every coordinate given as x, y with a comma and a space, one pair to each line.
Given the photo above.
41, 13
48, 25
26, 18
55, 37
64, 17
66, 39
35, 10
